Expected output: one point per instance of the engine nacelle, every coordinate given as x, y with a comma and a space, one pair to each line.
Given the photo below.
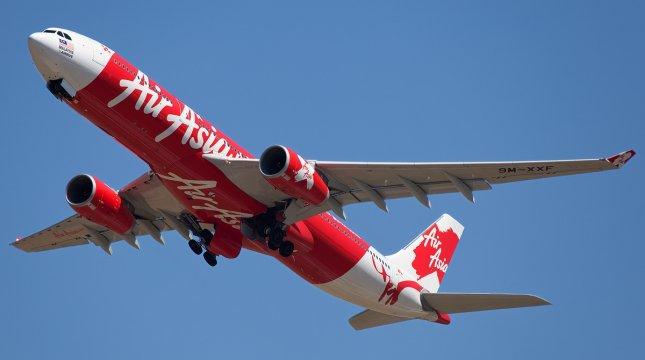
97, 202
290, 173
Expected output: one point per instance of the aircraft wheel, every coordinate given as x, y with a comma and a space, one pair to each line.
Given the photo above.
195, 247
286, 248
210, 258
206, 235
275, 239
273, 245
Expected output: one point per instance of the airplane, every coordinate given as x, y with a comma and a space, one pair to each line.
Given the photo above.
221, 199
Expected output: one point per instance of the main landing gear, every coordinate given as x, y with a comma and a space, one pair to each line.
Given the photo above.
269, 228
205, 237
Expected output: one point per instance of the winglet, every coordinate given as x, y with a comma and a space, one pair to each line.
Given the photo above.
16, 243
622, 158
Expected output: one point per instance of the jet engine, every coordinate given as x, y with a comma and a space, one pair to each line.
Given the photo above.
290, 173
97, 202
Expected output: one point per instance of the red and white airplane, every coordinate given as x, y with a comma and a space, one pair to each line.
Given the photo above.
221, 199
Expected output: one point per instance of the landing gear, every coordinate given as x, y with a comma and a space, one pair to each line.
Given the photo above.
205, 237
276, 237
210, 258
269, 228
273, 245
59, 88
195, 247
286, 248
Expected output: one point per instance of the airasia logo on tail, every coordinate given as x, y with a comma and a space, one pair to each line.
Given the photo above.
434, 252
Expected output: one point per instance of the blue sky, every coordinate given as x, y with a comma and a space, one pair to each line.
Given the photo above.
374, 81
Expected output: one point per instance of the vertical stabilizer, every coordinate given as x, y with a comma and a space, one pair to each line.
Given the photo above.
428, 255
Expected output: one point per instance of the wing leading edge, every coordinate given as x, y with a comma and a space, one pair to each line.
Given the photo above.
353, 182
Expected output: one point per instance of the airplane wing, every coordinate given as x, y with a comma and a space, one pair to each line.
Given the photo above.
353, 182
152, 207
349, 182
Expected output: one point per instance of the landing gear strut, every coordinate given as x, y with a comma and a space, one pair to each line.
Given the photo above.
205, 237
269, 228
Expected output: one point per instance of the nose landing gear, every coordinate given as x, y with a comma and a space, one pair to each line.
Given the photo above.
61, 89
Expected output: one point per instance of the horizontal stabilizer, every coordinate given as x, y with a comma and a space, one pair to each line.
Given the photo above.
459, 303
370, 318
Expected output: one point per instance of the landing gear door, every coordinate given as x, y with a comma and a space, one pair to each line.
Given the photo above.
101, 54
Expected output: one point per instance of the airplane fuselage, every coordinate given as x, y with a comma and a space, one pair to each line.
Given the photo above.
171, 138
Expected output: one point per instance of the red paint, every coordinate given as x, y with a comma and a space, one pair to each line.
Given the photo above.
202, 188
297, 178
621, 159
442, 318
105, 207
226, 242
301, 236
170, 157
433, 254
391, 291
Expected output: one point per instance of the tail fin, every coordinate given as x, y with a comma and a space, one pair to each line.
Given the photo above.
428, 255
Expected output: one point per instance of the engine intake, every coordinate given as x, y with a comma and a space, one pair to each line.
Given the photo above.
97, 202
290, 173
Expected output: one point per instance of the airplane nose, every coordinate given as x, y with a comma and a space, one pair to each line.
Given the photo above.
43, 52
66, 58
36, 44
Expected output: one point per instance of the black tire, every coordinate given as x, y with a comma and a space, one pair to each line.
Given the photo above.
277, 229
195, 247
286, 248
277, 235
206, 235
273, 245
276, 239
210, 258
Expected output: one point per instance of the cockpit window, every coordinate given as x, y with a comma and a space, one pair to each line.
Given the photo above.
58, 32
